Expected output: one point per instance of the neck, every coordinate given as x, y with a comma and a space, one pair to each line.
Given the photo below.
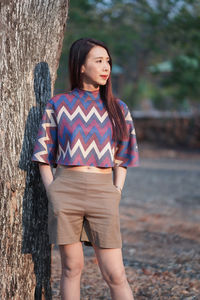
90, 87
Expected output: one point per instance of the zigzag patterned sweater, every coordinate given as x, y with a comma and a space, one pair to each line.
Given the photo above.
76, 130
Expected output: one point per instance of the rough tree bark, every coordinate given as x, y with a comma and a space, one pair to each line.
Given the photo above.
31, 40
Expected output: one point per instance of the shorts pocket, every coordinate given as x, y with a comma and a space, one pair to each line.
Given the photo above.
116, 190
51, 184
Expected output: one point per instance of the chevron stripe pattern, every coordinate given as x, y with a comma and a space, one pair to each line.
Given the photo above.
76, 130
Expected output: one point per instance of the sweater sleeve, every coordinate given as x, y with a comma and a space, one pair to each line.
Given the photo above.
45, 149
126, 154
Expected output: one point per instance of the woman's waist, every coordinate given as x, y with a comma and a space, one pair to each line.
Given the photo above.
89, 169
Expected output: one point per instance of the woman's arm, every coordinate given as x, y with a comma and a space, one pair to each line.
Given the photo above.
46, 174
119, 176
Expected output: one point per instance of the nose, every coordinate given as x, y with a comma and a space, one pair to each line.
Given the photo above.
106, 66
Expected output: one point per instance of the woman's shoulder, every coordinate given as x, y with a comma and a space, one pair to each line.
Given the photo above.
63, 95
123, 105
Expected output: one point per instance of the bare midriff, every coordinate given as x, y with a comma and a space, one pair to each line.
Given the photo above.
90, 169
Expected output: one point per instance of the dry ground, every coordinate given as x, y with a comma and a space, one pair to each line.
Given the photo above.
160, 224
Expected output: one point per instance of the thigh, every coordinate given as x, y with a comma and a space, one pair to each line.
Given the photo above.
102, 220
110, 260
71, 255
66, 208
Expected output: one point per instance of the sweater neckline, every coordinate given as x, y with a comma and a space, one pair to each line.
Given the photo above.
90, 94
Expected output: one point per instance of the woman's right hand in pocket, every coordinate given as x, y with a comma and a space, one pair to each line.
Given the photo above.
48, 186
46, 174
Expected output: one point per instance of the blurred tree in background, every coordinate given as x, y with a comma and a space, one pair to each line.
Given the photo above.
155, 46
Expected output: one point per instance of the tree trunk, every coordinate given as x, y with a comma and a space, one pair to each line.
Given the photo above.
32, 33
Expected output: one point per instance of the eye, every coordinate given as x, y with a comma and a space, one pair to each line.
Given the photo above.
99, 60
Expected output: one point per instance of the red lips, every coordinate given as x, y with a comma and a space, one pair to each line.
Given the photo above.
104, 76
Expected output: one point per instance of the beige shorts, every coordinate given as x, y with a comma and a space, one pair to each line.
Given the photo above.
83, 206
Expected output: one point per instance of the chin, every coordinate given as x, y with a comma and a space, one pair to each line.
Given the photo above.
103, 82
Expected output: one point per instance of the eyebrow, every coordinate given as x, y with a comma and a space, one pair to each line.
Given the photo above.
102, 57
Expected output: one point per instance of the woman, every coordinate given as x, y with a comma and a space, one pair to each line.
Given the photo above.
87, 134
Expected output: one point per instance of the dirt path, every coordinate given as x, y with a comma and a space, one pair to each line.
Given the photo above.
160, 224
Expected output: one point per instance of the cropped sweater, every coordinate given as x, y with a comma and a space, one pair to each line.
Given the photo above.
76, 130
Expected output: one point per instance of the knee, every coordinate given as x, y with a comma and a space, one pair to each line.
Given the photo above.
117, 277
72, 270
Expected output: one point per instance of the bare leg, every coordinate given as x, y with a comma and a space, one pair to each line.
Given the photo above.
72, 261
112, 268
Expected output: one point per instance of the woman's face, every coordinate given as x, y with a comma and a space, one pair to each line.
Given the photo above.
96, 69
